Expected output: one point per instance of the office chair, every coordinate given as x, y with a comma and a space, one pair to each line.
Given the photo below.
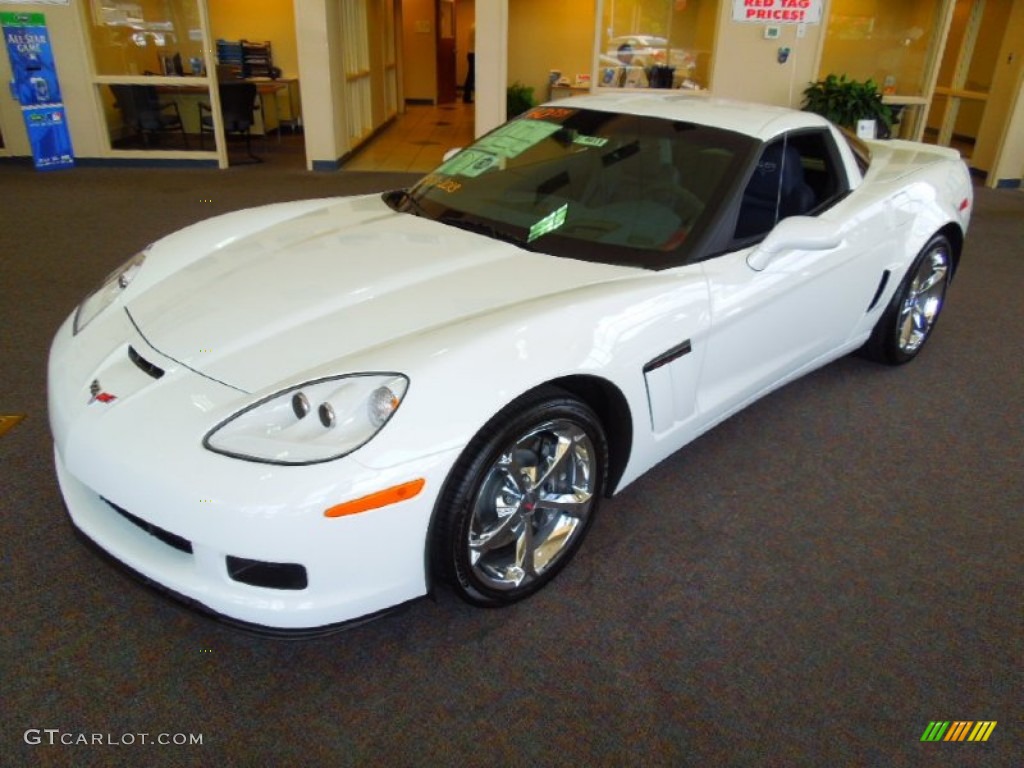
142, 110
238, 107
775, 191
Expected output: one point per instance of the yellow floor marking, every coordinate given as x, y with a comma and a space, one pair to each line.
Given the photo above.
8, 420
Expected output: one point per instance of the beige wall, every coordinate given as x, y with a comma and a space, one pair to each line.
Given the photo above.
545, 35
745, 66
258, 21
419, 50
1003, 123
1009, 165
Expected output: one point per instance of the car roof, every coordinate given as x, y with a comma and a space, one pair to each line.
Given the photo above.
760, 121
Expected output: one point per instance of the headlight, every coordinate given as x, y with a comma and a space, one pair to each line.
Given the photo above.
318, 421
111, 287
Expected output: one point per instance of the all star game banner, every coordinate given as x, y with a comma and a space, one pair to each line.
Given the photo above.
37, 89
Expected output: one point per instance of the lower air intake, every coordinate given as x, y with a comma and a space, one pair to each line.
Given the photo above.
257, 573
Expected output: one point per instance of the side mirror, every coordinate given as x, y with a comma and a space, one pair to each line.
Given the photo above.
803, 233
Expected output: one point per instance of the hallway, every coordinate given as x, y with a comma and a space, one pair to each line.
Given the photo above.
416, 141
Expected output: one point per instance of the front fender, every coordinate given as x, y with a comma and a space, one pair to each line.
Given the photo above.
595, 339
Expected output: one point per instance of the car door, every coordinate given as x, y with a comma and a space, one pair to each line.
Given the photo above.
792, 296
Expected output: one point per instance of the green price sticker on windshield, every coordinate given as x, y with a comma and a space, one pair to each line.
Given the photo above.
549, 223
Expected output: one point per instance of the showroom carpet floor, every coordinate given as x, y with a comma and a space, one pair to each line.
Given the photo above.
810, 584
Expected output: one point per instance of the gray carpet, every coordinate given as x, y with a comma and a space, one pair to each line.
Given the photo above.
810, 584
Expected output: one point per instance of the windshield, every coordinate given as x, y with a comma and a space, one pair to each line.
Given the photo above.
583, 184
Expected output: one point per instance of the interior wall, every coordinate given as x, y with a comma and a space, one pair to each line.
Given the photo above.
1003, 123
465, 19
258, 21
746, 67
419, 50
543, 36
1009, 165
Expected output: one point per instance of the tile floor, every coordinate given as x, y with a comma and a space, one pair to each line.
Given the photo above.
417, 140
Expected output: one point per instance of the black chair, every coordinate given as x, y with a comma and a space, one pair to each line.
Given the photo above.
776, 190
238, 105
142, 111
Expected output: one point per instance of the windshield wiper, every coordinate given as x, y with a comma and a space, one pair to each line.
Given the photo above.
471, 225
401, 200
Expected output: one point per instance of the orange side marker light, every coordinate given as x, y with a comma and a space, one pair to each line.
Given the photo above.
392, 495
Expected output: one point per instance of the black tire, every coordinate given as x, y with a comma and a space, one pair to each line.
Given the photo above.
520, 499
909, 319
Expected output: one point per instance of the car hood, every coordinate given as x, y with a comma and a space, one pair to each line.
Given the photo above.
348, 276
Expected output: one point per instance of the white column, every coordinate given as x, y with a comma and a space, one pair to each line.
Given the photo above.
491, 63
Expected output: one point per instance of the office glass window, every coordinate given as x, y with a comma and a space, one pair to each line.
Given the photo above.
160, 37
889, 41
656, 43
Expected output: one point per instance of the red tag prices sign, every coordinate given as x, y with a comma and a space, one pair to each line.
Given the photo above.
777, 11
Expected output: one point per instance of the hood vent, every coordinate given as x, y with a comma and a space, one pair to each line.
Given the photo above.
144, 365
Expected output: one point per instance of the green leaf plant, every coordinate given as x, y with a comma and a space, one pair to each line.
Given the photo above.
844, 102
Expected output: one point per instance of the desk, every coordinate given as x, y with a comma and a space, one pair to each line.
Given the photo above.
913, 127
565, 91
284, 93
277, 99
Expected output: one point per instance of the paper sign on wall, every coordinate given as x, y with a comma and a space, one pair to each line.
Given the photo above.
37, 89
777, 11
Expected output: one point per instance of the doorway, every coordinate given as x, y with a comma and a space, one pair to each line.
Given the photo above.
446, 64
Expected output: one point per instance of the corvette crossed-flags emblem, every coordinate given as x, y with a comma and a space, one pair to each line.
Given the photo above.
98, 394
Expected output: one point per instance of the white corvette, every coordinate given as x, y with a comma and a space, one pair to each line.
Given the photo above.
304, 414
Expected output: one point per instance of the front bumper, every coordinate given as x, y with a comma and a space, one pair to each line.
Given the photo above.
246, 541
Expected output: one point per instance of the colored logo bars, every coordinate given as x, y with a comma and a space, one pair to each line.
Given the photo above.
959, 730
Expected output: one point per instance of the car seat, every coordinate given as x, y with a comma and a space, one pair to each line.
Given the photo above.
776, 190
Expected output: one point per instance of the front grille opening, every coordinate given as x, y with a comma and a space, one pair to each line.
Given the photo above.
257, 573
170, 539
144, 365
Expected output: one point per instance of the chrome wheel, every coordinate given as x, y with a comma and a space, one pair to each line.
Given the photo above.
923, 300
521, 498
533, 503
910, 316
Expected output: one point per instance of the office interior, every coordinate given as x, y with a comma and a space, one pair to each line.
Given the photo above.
339, 73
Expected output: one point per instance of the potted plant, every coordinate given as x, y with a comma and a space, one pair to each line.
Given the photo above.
518, 99
846, 102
